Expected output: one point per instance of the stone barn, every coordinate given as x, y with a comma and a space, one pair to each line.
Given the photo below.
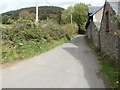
93, 24
109, 41
101, 28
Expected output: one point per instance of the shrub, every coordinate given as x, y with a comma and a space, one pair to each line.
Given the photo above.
23, 36
118, 32
44, 32
54, 31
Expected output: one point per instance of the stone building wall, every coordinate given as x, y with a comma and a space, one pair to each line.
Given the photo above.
98, 16
108, 39
119, 50
95, 35
93, 28
88, 31
92, 33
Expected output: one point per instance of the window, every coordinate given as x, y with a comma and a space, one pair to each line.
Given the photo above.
107, 21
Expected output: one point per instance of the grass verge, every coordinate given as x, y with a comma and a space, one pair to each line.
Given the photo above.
27, 50
109, 69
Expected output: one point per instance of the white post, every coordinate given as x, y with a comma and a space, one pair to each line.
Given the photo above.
36, 12
71, 18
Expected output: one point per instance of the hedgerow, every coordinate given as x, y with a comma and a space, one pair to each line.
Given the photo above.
24, 37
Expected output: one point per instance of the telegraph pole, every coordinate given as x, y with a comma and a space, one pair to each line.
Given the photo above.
36, 13
71, 18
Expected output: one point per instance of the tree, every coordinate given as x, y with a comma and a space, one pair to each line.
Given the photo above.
5, 19
66, 15
59, 19
118, 20
26, 15
80, 15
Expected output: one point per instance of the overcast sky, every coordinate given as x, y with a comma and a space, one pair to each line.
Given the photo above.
8, 5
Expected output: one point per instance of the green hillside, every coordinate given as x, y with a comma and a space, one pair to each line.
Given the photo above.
43, 12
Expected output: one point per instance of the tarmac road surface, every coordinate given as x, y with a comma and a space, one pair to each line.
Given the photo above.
71, 65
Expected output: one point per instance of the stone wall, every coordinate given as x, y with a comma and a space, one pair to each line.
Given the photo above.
105, 37
108, 39
93, 28
93, 33
119, 50
88, 31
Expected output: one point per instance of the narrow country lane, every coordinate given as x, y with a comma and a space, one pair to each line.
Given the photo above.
72, 65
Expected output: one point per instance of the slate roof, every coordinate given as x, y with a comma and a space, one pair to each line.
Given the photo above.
112, 0
115, 4
96, 11
92, 9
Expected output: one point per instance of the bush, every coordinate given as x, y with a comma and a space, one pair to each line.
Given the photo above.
72, 28
54, 31
44, 32
23, 36
118, 32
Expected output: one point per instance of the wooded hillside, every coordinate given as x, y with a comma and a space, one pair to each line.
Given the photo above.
43, 12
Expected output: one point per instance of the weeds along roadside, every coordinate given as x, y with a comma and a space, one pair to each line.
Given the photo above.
108, 67
24, 39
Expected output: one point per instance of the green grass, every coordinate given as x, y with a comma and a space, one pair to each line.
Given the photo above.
110, 72
27, 50
109, 69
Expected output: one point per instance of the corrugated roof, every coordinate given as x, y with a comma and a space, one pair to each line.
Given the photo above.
53, 15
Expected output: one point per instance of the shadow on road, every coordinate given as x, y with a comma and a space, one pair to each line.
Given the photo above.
88, 60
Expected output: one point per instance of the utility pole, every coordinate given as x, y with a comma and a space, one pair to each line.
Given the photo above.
71, 18
36, 9
36, 13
